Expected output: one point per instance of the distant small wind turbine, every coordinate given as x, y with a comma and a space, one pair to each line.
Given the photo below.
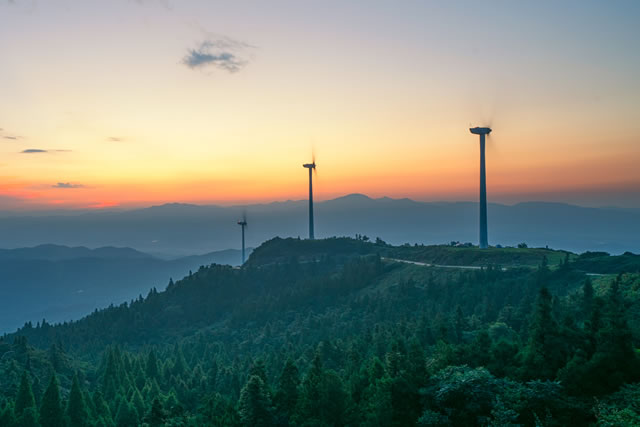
484, 242
312, 167
243, 224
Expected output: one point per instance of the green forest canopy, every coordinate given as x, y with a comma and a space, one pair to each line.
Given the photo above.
332, 332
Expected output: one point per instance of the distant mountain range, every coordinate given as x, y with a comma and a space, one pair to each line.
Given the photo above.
61, 283
174, 230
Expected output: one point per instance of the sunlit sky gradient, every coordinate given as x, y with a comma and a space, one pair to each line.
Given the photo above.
384, 91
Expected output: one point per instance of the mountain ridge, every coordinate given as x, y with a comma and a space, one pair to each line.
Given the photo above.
176, 230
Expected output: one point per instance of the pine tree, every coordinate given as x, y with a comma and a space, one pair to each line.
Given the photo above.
287, 394
254, 405
310, 395
7, 416
111, 377
51, 414
126, 414
587, 298
101, 407
56, 357
156, 416
29, 418
25, 397
138, 403
544, 355
77, 412
258, 368
333, 401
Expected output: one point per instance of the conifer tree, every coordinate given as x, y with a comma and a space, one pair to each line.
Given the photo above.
29, 418
544, 352
287, 394
258, 368
138, 403
76, 408
156, 416
25, 397
126, 414
51, 414
7, 416
254, 405
101, 407
310, 395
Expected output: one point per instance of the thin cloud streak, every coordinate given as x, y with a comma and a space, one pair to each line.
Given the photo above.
67, 185
41, 151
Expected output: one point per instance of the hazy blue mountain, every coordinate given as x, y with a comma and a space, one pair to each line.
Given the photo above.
180, 229
60, 283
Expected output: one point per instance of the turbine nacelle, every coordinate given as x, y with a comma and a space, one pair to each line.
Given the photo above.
243, 222
309, 165
480, 131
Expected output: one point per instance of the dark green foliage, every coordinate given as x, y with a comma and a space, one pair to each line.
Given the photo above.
77, 412
29, 418
25, 397
254, 405
286, 398
51, 414
310, 338
156, 416
126, 414
152, 371
7, 416
545, 351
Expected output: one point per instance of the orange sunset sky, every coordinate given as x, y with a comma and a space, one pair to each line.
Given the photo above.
131, 103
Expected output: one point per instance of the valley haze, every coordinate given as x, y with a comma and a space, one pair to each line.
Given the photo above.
175, 229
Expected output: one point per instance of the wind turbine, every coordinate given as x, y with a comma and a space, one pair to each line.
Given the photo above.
484, 242
312, 168
243, 224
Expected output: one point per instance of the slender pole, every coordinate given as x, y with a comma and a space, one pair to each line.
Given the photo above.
484, 243
243, 259
311, 235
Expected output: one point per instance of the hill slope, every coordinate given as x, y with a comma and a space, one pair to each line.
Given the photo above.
60, 283
327, 332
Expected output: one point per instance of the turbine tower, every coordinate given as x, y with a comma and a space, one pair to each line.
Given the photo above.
484, 242
312, 168
243, 224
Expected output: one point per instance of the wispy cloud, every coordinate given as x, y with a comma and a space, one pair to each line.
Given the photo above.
9, 136
223, 53
40, 151
67, 185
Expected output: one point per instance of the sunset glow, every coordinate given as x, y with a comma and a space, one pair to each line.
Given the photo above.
110, 113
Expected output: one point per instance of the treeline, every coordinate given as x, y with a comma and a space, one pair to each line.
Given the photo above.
354, 341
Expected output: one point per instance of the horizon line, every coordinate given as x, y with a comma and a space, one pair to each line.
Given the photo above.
129, 208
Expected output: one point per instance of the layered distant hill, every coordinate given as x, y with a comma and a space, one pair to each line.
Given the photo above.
61, 283
177, 229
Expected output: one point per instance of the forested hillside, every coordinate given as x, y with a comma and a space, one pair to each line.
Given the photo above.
62, 283
334, 332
